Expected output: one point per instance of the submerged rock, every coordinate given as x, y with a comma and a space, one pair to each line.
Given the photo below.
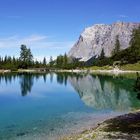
21, 134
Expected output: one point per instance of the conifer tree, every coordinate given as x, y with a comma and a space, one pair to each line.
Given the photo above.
117, 46
102, 55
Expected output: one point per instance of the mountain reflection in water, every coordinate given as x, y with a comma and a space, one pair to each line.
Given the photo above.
96, 91
105, 92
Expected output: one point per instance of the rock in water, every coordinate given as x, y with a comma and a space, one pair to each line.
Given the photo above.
102, 36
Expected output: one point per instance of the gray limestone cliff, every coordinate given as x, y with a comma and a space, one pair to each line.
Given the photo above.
102, 36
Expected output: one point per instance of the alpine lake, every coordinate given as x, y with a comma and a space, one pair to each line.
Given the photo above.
48, 106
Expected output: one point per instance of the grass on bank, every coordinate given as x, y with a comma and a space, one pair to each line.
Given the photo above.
101, 68
131, 67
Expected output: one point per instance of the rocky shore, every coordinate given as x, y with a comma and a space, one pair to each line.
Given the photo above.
125, 127
5, 71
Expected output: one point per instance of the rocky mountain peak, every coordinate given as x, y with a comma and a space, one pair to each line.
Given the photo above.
102, 36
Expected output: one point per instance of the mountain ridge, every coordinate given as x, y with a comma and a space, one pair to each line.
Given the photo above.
102, 36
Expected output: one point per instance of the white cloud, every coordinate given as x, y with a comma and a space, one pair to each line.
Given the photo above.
15, 41
33, 38
41, 46
123, 16
40, 41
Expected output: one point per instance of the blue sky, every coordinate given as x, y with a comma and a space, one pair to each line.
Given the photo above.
51, 27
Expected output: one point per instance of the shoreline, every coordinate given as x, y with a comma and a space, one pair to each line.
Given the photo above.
95, 71
94, 130
121, 127
73, 71
71, 130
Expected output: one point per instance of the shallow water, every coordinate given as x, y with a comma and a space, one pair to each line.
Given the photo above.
47, 106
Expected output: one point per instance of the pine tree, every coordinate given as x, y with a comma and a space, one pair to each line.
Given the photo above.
135, 45
102, 55
65, 61
60, 61
44, 61
51, 61
26, 56
117, 46
29, 56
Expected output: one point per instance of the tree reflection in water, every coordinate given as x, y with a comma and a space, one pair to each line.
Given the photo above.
62, 78
137, 86
26, 83
8, 78
96, 91
106, 92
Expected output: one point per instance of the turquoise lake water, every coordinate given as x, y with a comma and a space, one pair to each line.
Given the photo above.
48, 106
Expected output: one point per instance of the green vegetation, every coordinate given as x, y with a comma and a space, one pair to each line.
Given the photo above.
64, 62
127, 59
125, 67
107, 67
117, 46
132, 54
25, 61
26, 57
102, 56
135, 67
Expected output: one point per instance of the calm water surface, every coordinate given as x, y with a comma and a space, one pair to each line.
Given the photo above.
46, 106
